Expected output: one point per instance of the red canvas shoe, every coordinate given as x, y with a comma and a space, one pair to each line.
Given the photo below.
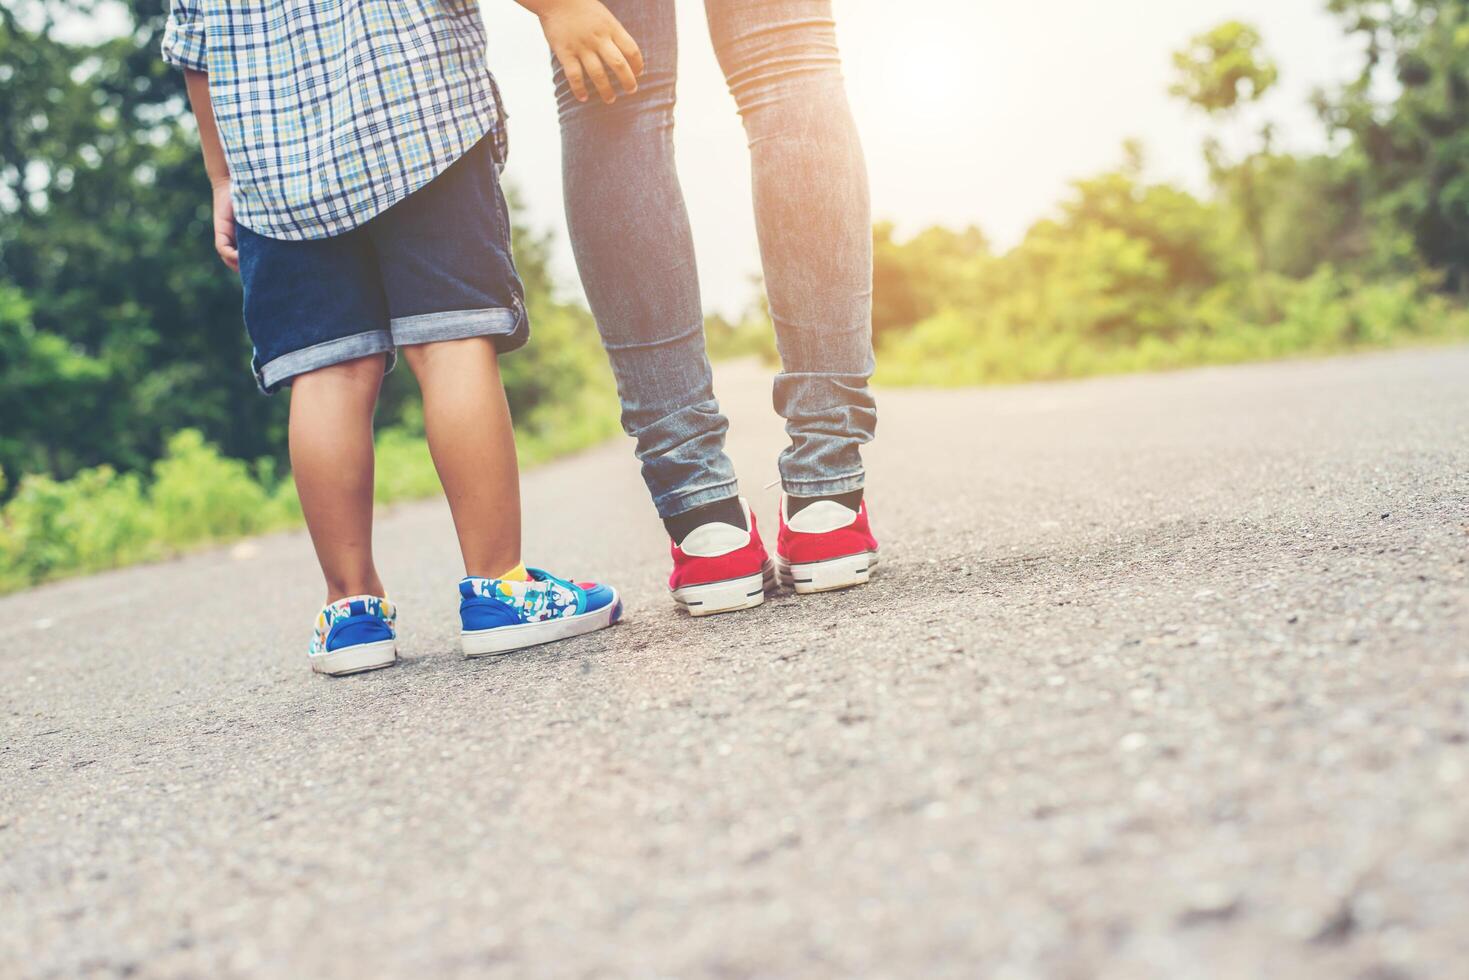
825, 547
721, 568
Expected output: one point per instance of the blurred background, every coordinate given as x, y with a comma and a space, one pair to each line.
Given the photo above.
1061, 190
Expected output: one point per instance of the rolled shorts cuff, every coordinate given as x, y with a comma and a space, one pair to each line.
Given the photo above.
826, 486
509, 327
681, 502
271, 375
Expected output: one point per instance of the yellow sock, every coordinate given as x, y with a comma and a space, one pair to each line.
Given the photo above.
516, 574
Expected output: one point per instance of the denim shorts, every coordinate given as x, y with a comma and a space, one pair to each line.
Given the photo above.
435, 266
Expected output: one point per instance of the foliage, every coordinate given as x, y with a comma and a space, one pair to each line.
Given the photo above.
130, 416
1221, 72
908, 278
195, 496
132, 429
104, 234
1132, 276
1412, 133
34, 365
1327, 313
560, 386
752, 336
1224, 68
1315, 214
119, 327
101, 518
1290, 254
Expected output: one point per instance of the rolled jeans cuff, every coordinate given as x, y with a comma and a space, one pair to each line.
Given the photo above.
502, 324
683, 501
279, 371
825, 487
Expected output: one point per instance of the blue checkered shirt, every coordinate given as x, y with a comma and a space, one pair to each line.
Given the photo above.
331, 111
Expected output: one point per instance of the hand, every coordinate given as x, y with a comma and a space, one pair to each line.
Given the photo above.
590, 44
224, 226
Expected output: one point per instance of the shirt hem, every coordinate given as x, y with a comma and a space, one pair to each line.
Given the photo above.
340, 226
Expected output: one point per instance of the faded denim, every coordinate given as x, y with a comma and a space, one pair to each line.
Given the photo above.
630, 234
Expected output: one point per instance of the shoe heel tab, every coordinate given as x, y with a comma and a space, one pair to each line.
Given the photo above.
717, 540
357, 629
822, 517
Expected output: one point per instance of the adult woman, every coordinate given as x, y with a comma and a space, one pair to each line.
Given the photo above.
630, 234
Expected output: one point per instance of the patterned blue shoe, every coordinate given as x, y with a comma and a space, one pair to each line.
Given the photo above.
355, 634
501, 615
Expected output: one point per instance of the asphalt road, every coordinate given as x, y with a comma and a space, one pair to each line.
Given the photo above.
1162, 676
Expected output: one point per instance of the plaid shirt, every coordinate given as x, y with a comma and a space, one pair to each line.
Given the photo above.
331, 111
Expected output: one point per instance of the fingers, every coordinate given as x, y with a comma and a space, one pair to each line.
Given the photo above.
228, 254
596, 56
629, 48
224, 245
614, 59
592, 65
571, 68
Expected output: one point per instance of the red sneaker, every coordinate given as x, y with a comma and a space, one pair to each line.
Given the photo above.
825, 547
721, 568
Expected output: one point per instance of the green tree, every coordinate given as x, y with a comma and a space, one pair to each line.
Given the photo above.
36, 370
912, 279
1317, 214
1413, 136
1220, 72
118, 326
104, 230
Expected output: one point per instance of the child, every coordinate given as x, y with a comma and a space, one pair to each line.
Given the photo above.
354, 147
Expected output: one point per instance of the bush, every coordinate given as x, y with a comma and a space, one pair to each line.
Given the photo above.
559, 387
200, 496
1324, 314
752, 336
405, 470
1130, 278
101, 519
97, 519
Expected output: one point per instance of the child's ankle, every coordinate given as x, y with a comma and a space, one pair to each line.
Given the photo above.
345, 588
516, 574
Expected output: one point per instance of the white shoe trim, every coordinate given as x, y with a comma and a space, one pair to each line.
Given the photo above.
818, 518
730, 595
718, 539
829, 575
355, 659
507, 639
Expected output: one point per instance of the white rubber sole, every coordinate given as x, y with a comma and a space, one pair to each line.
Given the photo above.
507, 639
355, 659
827, 576
731, 595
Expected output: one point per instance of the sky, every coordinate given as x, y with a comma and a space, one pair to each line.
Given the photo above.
971, 111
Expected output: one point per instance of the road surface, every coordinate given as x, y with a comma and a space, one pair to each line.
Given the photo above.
1162, 676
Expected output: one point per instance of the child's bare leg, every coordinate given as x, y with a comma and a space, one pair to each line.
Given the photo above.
468, 424
331, 459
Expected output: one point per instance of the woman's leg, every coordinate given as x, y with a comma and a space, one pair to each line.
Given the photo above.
815, 224
630, 234
469, 434
331, 460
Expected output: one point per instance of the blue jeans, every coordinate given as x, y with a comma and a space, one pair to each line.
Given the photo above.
630, 234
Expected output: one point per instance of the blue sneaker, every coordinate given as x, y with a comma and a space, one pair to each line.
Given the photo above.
355, 634
500, 615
